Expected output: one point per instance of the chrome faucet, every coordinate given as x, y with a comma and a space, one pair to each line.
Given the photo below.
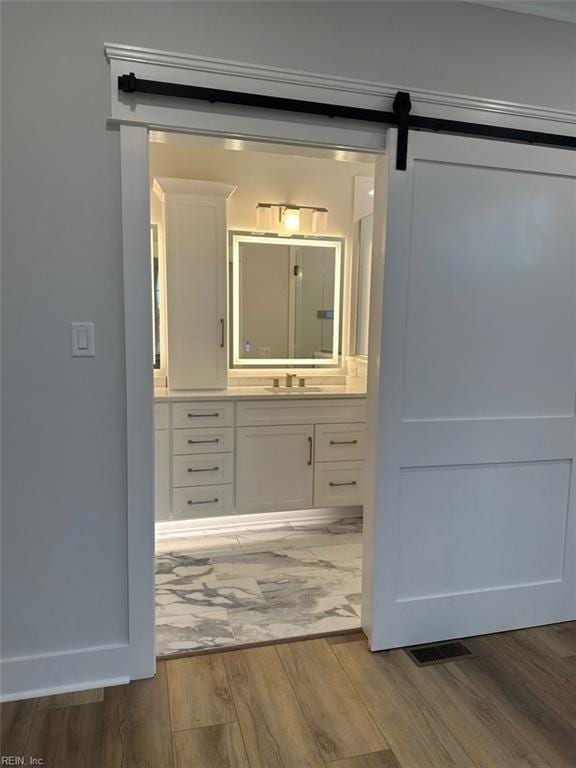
290, 378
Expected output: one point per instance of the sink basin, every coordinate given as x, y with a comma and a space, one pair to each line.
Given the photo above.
292, 390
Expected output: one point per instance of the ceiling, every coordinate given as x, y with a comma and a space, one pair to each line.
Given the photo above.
561, 10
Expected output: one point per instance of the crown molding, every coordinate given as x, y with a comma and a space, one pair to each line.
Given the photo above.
356, 89
164, 185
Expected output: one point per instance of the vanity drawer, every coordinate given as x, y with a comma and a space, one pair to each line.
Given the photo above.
212, 414
202, 501
161, 415
340, 442
339, 484
202, 440
202, 469
258, 413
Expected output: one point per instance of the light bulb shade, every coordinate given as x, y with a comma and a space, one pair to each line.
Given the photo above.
291, 219
264, 217
306, 220
276, 213
320, 220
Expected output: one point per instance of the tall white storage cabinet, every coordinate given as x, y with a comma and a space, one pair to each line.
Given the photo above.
196, 281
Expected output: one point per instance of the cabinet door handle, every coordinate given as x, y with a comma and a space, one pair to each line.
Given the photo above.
203, 442
335, 485
343, 442
222, 332
309, 451
207, 501
202, 415
208, 469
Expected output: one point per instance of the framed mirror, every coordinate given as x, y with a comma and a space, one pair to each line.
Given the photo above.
286, 301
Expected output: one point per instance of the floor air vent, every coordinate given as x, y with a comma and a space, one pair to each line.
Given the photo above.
440, 653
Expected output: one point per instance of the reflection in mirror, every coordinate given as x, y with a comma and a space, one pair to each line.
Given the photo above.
286, 301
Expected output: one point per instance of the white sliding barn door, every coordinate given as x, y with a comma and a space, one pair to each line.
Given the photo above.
470, 510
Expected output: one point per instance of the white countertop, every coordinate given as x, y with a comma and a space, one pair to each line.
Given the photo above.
320, 392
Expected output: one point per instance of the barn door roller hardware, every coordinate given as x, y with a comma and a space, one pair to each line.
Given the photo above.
400, 117
402, 106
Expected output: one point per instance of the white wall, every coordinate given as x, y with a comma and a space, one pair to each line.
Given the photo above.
64, 564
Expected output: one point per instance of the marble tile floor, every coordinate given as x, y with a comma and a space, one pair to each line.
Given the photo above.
257, 584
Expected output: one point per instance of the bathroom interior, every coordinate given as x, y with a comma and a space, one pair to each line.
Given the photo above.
261, 258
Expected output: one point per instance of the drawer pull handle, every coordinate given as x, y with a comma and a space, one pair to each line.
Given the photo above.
202, 415
203, 442
206, 501
208, 469
343, 442
309, 451
335, 485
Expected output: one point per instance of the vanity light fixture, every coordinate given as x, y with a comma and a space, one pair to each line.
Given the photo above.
291, 218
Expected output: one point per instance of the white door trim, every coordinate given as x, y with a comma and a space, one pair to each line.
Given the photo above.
241, 122
276, 81
139, 397
136, 117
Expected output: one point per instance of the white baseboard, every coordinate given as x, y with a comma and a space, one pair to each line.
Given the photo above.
173, 528
47, 674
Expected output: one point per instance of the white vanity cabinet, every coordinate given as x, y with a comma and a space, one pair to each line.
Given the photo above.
162, 461
296, 454
202, 470
338, 483
275, 468
340, 442
252, 456
196, 281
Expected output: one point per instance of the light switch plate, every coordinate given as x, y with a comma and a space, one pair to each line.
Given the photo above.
83, 340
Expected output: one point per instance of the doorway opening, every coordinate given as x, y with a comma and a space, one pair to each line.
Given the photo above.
261, 260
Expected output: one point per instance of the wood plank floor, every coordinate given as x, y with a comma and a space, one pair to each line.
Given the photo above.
320, 703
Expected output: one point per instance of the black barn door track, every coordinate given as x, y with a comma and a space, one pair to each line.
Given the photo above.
400, 117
